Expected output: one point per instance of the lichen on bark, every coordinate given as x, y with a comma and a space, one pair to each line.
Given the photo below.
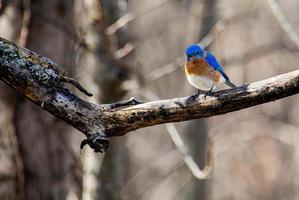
41, 69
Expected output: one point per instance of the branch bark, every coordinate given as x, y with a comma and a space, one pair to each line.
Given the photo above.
41, 80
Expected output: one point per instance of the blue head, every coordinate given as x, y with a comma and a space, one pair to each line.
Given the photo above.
194, 51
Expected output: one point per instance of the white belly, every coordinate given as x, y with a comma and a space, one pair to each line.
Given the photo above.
200, 82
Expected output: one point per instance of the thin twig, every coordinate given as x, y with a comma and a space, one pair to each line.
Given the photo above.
128, 17
183, 149
188, 159
121, 22
283, 22
76, 84
121, 53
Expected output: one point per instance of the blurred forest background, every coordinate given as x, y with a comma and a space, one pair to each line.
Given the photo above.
123, 48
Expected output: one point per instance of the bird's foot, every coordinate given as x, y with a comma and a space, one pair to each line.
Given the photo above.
192, 98
209, 92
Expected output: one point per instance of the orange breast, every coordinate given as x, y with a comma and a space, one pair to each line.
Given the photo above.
201, 68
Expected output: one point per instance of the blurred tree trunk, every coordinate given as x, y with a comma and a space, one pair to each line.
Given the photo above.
115, 169
108, 74
197, 130
11, 177
44, 154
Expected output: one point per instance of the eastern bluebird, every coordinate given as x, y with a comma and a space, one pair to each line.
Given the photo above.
203, 70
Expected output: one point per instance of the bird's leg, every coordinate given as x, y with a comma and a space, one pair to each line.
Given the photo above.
198, 92
195, 96
209, 92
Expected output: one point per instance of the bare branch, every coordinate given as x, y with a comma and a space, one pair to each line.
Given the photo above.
39, 79
76, 84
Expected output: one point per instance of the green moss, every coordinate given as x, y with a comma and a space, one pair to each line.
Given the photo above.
40, 68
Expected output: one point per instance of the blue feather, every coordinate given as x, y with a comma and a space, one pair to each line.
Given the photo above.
194, 50
212, 61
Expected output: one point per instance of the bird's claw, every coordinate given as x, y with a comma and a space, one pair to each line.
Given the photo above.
205, 97
99, 142
194, 97
191, 99
208, 93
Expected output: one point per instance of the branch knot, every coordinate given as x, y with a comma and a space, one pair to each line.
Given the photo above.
99, 142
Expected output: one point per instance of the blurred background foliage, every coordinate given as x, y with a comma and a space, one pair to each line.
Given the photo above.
123, 48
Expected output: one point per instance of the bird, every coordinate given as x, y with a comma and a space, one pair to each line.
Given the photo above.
203, 71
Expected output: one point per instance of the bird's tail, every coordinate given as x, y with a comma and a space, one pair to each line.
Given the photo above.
230, 84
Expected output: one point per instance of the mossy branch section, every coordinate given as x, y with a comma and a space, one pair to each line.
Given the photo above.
39, 79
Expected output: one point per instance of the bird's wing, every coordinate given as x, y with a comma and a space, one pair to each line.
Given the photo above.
212, 61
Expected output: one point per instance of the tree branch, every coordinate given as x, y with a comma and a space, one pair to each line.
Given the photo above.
40, 80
